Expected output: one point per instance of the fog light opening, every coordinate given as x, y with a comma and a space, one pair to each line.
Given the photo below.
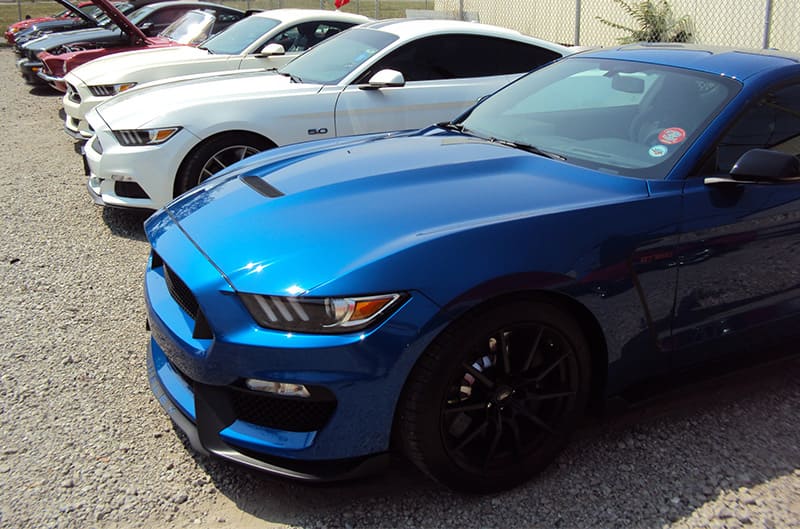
278, 388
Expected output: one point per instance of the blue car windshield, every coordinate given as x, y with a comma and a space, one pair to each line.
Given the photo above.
621, 117
333, 59
240, 35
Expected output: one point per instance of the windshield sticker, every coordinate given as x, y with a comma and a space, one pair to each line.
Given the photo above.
672, 135
657, 151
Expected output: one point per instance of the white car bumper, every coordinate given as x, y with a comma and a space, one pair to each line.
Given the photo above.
133, 177
78, 101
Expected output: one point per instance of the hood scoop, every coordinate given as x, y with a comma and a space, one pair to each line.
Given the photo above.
261, 186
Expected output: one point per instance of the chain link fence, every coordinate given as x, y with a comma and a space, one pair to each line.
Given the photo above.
741, 23
370, 8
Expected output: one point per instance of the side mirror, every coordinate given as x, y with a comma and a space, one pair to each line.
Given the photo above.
272, 49
762, 166
384, 79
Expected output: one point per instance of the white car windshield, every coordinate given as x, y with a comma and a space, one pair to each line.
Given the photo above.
191, 28
334, 59
240, 35
620, 117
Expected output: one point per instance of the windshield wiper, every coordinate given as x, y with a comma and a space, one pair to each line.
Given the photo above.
205, 49
291, 76
527, 148
449, 125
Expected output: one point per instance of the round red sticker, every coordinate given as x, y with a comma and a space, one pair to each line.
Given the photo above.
672, 135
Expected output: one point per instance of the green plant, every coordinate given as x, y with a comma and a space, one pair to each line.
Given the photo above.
656, 21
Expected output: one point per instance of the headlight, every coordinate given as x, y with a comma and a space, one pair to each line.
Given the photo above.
108, 90
145, 137
320, 315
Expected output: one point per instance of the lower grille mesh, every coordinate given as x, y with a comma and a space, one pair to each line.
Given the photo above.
282, 413
180, 292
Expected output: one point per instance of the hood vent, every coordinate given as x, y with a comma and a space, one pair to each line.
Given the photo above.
260, 186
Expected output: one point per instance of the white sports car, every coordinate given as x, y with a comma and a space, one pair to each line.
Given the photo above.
151, 144
250, 43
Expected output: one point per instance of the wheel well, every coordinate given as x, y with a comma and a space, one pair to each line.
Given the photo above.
246, 133
585, 320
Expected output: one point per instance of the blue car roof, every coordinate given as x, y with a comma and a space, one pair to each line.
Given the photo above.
731, 62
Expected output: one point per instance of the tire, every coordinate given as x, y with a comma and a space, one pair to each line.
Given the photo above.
214, 155
477, 419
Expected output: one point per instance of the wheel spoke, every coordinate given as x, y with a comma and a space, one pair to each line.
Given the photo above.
467, 407
505, 350
515, 437
495, 441
217, 161
533, 418
552, 366
548, 396
480, 377
532, 352
464, 442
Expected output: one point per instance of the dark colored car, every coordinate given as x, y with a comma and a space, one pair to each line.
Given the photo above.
462, 293
140, 29
81, 17
26, 23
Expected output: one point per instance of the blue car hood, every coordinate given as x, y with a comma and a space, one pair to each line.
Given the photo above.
359, 218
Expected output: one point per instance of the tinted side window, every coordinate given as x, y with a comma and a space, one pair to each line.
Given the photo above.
306, 35
772, 122
162, 18
225, 19
461, 56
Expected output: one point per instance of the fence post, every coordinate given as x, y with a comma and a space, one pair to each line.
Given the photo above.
19, 9
376, 9
767, 23
577, 22
461, 9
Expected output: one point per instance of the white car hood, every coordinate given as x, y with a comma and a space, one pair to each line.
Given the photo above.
176, 102
114, 68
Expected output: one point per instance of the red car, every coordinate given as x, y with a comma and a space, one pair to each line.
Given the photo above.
182, 23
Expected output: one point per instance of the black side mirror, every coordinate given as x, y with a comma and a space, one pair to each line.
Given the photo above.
762, 166
766, 164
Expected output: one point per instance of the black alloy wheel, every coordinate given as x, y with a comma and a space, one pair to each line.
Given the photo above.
494, 398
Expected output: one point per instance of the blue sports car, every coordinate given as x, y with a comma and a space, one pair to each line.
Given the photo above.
461, 294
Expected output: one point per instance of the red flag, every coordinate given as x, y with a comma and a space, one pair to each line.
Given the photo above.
340, 3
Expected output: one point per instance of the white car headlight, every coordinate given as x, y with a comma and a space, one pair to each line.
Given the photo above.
320, 315
108, 90
145, 136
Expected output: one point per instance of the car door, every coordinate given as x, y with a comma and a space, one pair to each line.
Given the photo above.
739, 256
444, 75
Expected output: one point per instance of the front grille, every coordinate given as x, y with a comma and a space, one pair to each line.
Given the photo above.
284, 413
102, 90
180, 292
129, 190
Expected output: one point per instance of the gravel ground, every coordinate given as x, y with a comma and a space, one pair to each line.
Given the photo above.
84, 444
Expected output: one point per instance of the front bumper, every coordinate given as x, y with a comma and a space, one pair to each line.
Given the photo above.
77, 102
56, 82
198, 380
134, 177
29, 71
209, 418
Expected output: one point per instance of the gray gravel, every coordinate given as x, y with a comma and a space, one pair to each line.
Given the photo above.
83, 443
